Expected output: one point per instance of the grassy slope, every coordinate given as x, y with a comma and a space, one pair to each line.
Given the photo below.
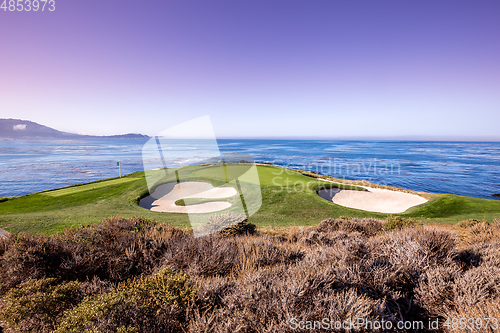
285, 202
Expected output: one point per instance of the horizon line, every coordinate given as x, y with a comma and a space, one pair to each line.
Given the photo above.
416, 138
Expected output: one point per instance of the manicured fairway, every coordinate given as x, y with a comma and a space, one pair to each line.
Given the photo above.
288, 199
87, 187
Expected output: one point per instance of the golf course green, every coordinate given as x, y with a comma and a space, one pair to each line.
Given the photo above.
289, 198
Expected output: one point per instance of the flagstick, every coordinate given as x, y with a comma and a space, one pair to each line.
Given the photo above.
178, 183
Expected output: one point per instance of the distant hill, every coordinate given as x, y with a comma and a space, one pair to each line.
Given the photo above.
25, 129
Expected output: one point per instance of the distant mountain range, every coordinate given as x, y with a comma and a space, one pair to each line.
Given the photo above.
25, 129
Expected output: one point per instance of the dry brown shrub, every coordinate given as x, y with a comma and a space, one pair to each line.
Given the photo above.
95, 287
330, 231
30, 257
227, 224
435, 291
478, 312
265, 251
467, 258
489, 253
397, 222
416, 247
468, 223
401, 248
259, 302
210, 255
367, 226
483, 232
440, 244
353, 248
114, 250
256, 283
477, 285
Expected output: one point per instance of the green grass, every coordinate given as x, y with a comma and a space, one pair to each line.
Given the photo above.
194, 201
87, 187
455, 208
288, 199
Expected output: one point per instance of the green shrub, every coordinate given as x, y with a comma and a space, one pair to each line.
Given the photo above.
397, 222
35, 305
3, 199
139, 305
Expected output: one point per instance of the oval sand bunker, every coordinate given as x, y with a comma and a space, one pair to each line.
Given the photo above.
374, 200
164, 197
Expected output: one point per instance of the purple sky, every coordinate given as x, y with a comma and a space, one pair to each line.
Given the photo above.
287, 68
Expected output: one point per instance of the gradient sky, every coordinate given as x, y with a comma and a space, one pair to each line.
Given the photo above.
307, 68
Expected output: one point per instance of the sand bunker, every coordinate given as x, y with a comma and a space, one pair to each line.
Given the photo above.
374, 200
3, 233
164, 197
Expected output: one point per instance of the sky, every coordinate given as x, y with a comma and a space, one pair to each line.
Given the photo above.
258, 68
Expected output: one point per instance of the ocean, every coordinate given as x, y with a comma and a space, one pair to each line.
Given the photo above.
463, 168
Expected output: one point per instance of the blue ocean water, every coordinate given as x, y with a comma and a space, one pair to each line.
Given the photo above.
464, 168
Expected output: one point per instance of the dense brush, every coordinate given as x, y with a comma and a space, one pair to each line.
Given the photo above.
131, 275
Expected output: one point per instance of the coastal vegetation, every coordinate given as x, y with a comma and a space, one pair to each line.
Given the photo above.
135, 275
289, 198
